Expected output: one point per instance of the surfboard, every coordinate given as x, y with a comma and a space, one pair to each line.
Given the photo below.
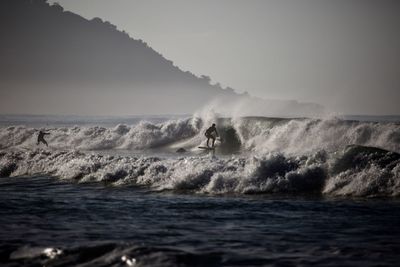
206, 148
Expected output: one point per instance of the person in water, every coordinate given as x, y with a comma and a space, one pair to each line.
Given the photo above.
211, 133
40, 138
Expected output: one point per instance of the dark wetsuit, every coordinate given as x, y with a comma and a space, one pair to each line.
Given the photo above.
40, 138
210, 134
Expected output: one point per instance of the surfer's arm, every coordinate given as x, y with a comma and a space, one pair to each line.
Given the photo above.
216, 132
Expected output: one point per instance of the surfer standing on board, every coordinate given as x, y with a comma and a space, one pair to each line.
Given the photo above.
210, 134
40, 138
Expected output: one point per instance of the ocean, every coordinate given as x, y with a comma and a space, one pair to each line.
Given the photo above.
114, 191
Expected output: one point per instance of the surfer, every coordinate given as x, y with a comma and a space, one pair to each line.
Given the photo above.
210, 134
40, 138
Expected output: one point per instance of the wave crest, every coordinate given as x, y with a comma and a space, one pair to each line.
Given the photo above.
140, 136
257, 135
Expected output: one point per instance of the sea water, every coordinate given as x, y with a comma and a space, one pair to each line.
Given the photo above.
280, 192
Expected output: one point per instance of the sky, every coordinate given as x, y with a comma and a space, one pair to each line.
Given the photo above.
342, 54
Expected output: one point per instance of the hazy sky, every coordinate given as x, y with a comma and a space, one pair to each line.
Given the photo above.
343, 54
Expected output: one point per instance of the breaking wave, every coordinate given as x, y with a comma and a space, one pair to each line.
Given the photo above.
300, 136
140, 136
257, 135
258, 155
354, 171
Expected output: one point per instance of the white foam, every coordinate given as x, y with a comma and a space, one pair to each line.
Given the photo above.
368, 182
272, 173
256, 135
140, 136
304, 136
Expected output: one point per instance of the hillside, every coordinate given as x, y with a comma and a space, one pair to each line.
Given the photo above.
52, 58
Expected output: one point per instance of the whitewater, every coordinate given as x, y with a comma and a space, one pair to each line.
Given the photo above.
257, 155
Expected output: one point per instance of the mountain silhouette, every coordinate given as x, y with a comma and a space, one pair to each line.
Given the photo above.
55, 59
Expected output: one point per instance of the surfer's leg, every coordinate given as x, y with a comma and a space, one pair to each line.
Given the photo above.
41, 140
208, 139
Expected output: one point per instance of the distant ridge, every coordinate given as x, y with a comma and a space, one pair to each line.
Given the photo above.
44, 42
58, 54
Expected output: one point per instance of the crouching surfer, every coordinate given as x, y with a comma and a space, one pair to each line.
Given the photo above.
40, 138
211, 133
